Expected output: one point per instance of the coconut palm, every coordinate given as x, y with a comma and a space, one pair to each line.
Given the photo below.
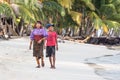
6, 12
108, 12
78, 10
86, 14
21, 11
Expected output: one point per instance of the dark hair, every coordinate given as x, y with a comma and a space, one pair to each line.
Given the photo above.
39, 22
36, 24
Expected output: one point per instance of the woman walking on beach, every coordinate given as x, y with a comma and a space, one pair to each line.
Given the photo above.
37, 37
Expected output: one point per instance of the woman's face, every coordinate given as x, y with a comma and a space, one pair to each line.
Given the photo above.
38, 25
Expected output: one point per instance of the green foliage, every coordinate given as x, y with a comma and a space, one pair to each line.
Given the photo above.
6, 9
89, 4
67, 13
112, 24
108, 10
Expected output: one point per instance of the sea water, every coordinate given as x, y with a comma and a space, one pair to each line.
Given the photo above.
107, 66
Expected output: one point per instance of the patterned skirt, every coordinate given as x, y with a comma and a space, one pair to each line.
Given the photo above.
38, 49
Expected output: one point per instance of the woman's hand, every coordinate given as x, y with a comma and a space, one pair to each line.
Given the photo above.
39, 41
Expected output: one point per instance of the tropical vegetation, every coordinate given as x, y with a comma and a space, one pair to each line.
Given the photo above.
80, 17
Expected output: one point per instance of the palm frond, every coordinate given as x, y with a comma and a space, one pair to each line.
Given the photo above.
1, 9
93, 15
66, 3
117, 5
105, 28
76, 16
108, 10
89, 4
7, 10
53, 6
96, 20
112, 24
116, 2
115, 17
25, 12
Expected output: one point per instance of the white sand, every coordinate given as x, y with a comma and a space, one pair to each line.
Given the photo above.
17, 62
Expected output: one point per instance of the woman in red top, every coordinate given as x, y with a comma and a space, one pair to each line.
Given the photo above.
51, 44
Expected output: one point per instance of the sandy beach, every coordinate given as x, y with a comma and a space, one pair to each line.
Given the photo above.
74, 61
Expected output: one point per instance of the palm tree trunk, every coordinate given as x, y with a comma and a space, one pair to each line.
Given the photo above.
11, 31
21, 31
13, 24
83, 21
20, 27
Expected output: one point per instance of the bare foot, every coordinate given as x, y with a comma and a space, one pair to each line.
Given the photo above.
53, 67
37, 66
43, 64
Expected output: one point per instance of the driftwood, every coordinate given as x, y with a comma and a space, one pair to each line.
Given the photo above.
95, 40
104, 40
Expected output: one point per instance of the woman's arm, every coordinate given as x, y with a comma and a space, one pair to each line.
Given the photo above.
42, 39
45, 34
30, 44
31, 39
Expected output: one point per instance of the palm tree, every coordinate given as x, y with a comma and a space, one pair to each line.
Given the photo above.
6, 12
77, 9
19, 9
94, 13
85, 14
108, 13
